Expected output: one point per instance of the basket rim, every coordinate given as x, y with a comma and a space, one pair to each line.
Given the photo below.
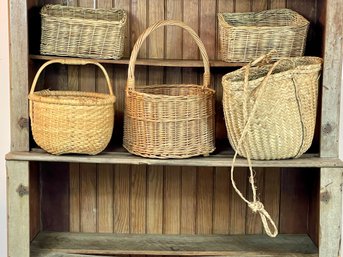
44, 96
317, 62
225, 24
45, 15
206, 90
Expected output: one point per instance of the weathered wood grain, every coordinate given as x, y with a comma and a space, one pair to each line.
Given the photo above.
121, 200
105, 198
74, 197
330, 212
188, 200
35, 199
239, 245
18, 208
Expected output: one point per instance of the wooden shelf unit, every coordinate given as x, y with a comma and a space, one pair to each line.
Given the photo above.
141, 201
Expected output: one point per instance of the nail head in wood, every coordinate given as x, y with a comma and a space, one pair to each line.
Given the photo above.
23, 123
22, 190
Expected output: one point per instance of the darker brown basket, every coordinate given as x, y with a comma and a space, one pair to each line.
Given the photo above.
246, 36
169, 121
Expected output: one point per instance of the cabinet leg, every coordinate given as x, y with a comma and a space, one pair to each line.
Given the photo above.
18, 208
331, 180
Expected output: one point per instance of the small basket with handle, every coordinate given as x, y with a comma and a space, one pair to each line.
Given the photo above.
71, 121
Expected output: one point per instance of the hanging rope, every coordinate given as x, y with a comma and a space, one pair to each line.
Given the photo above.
255, 205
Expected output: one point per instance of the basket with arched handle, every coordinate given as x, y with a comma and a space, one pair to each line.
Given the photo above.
170, 120
71, 121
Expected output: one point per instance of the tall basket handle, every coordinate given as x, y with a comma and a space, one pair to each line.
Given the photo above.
131, 71
70, 62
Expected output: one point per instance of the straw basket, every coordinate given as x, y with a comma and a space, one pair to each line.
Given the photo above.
82, 32
270, 110
246, 36
169, 121
71, 122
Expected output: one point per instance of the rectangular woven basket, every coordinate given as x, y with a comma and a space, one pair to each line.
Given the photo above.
82, 32
244, 37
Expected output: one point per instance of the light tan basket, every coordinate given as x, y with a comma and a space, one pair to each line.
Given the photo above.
246, 36
169, 121
69, 121
82, 32
270, 111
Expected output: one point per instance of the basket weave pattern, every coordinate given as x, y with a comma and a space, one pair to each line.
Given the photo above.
169, 121
246, 36
282, 124
71, 122
83, 32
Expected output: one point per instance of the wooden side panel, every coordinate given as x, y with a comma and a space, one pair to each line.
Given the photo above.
313, 218
18, 209
330, 212
74, 197
188, 200
19, 75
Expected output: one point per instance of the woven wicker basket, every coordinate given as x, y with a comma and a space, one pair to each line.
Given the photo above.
71, 122
169, 121
246, 36
270, 110
82, 32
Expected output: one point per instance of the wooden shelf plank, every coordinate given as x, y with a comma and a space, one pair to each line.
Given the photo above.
147, 244
151, 62
216, 160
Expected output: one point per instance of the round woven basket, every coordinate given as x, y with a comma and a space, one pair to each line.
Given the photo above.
71, 122
169, 121
270, 110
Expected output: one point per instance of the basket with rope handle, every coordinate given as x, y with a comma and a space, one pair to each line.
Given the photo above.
169, 121
71, 121
270, 113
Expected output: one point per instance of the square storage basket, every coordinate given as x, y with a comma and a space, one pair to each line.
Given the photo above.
246, 36
83, 32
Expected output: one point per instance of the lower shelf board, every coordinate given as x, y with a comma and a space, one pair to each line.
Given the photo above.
64, 244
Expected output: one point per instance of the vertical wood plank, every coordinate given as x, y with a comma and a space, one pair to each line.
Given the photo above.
204, 201
74, 200
188, 200
55, 196
274, 4
156, 41
271, 189
221, 214
313, 213
330, 212
253, 220
88, 204
237, 205
173, 40
35, 204
18, 75
332, 81
294, 196
18, 209
243, 5
105, 198
138, 199
259, 5
155, 200
208, 26
172, 201
121, 212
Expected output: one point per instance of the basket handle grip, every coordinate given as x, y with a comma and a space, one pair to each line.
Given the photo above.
131, 71
71, 62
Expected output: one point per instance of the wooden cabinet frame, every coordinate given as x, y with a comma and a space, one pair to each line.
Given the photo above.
331, 167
